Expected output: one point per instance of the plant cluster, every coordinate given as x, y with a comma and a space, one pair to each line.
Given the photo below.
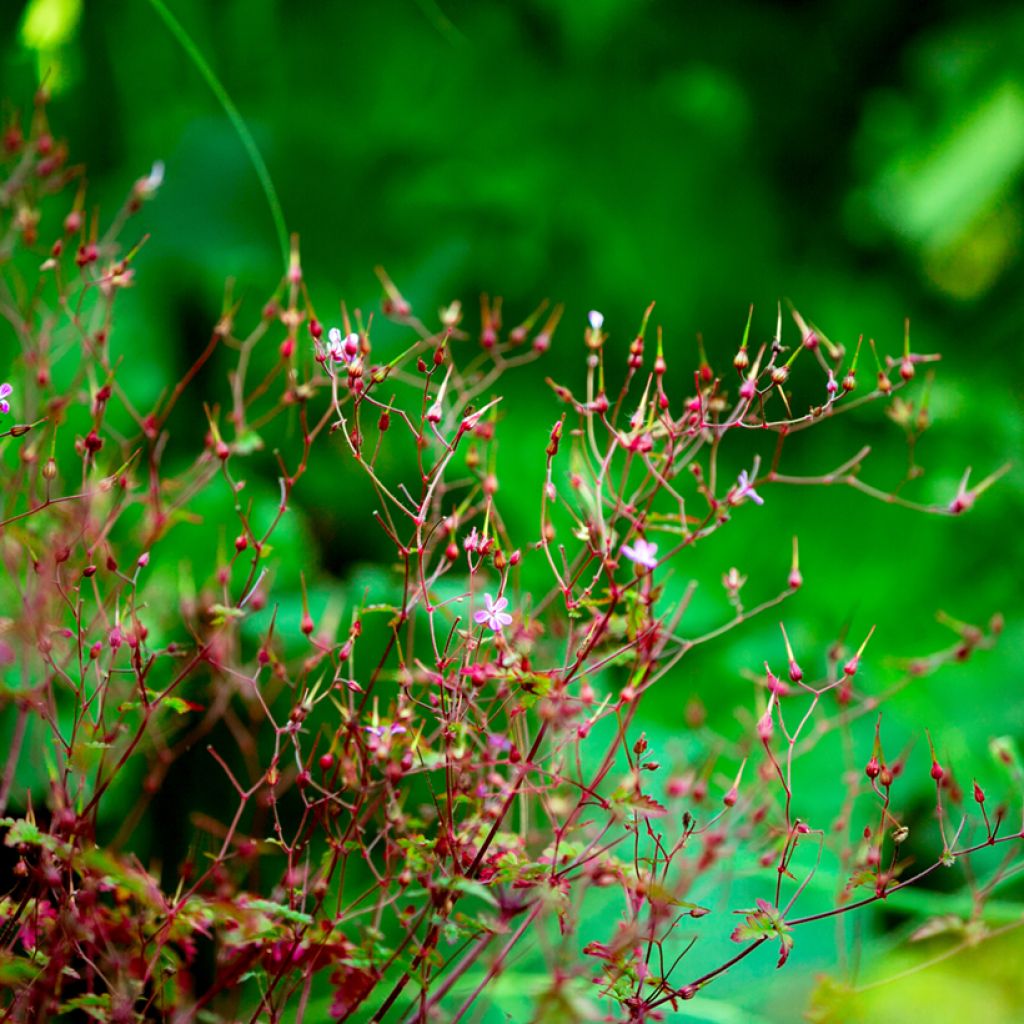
430, 781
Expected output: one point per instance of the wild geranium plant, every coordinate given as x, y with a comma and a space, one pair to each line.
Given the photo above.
447, 779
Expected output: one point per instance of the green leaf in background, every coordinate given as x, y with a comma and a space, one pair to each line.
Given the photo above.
934, 197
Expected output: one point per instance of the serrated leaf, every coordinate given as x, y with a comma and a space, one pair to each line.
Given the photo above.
20, 832
625, 796
765, 922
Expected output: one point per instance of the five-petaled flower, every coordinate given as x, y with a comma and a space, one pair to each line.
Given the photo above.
745, 489
5, 390
494, 615
642, 552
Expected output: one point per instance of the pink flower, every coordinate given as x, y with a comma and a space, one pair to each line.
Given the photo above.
380, 731
493, 616
643, 553
5, 390
745, 489
339, 349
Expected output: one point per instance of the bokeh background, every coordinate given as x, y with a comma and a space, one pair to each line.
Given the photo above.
864, 161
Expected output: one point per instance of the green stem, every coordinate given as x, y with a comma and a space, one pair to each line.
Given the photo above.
248, 142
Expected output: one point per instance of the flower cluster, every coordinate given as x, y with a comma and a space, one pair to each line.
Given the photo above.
449, 761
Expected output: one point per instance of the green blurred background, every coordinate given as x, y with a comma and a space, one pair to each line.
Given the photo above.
865, 161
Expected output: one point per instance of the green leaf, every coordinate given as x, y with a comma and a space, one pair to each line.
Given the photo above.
470, 887
15, 970
20, 831
765, 922
95, 1004
248, 442
222, 612
279, 910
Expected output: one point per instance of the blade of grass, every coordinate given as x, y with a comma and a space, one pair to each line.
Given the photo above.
236, 119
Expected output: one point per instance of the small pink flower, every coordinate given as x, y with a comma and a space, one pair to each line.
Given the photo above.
745, 489
5, 390
339, 349
493, 616
381, 731
643, 553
